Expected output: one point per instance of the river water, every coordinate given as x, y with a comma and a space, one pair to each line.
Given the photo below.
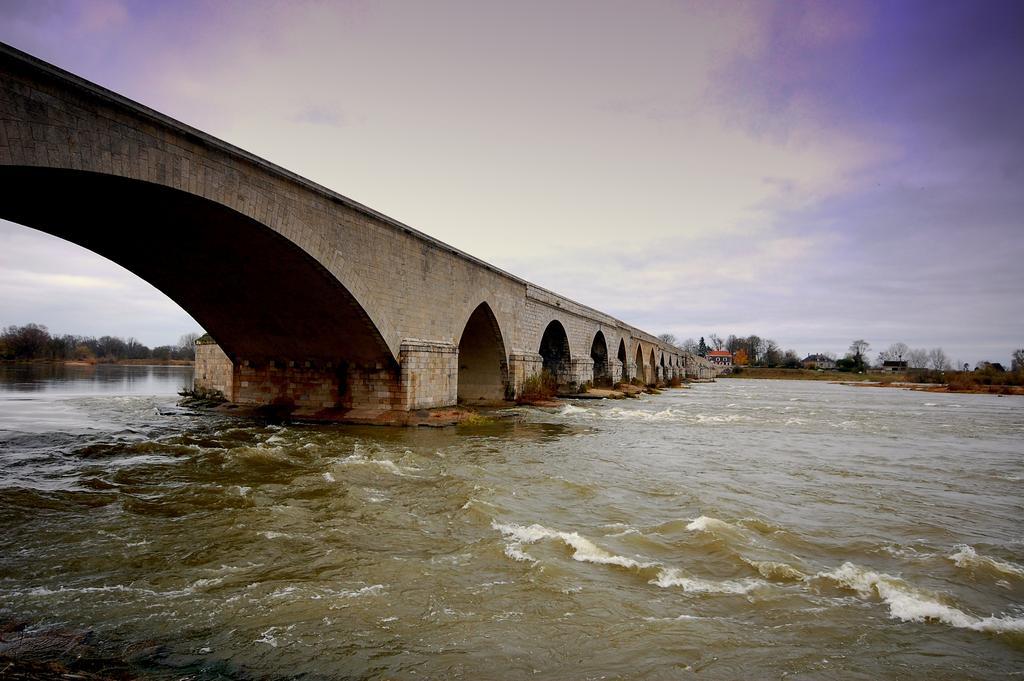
740, 529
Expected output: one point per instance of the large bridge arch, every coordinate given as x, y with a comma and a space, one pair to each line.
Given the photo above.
67, 124
272, 308
262, 297
483, 358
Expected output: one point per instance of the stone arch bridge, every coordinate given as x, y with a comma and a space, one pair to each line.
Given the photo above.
313, 299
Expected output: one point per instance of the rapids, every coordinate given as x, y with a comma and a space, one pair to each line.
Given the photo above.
741, 529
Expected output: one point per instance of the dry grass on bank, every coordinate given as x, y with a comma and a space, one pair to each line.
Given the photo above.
986, 381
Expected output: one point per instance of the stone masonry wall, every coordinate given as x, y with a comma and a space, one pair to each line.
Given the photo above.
213, 370
430, 374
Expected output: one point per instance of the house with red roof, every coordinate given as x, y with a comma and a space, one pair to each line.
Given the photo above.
722, 358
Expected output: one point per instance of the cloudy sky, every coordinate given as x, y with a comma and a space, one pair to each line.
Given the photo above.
813, 172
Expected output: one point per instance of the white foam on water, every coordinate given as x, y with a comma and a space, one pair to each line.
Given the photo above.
670, 577
720, 418
771, 569
328, 476
386, 464
284, 591
515, 552
705, 523
714, 526
625, 532
372, 590
680, 618
966, 557
906, 552
117, 588
913, 605
270, 534
584, 550
203, 583
572, 410
267, 638
620, 414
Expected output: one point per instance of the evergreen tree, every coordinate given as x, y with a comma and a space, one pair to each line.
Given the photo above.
702, 348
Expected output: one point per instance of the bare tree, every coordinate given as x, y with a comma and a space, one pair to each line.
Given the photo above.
1018, 360
898, 351
187, 340
858, 350
187, 345
894, 353
755, 349
667, 338
937, 360
917, 358
716, 341
26, 342
690, 346
772, 353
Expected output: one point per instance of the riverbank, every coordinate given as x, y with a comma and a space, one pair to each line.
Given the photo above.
961, 382
940, 388
811, 375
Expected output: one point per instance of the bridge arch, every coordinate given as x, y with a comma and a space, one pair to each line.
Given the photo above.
554, 349
260, 295
483, 359
624, 376
652, 368
599, 353
641, 367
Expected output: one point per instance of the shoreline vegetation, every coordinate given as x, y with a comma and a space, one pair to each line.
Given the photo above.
34, 342
983, 382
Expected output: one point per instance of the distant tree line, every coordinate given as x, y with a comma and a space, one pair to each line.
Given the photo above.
747, 350
35, 342
756, 351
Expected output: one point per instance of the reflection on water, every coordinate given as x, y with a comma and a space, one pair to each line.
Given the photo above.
92, 379
38, 398
743, 529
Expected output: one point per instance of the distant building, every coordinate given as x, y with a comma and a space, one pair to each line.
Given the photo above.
818, 362
995, 366
720, 357
894, 365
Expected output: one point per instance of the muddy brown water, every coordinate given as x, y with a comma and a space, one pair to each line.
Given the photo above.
740, 529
